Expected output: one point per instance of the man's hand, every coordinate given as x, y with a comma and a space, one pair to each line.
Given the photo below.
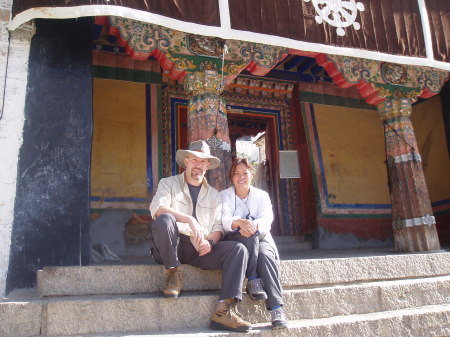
197, 230
204, 248
247, 227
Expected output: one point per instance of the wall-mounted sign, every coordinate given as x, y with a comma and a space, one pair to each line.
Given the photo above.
289, 164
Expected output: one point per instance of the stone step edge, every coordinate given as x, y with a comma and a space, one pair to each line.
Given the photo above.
247, 308
32, 296
361, 325
75, 280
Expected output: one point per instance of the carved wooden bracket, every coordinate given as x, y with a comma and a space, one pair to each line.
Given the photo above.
179, 53
377, 81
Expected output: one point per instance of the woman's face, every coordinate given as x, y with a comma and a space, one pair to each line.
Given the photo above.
242, 176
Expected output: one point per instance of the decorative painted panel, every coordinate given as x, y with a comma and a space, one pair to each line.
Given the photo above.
377, 80
179, 52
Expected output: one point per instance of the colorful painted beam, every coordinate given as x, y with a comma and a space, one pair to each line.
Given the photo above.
180, 53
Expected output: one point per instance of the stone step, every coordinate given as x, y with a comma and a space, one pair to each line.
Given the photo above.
415, 322
100, 314
131, 279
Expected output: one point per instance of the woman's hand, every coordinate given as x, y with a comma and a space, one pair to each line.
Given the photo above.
247, 227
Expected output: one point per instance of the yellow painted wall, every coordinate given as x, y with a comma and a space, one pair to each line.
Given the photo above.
119, 166
430, 134
353, 153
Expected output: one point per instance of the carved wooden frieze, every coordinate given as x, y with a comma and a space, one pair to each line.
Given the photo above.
377, 80
180, 53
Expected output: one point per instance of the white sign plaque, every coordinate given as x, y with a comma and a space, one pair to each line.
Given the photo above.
289, 164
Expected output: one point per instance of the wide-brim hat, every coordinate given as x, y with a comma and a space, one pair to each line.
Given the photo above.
200, 149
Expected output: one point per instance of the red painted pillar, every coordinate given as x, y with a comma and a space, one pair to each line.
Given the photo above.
206, 114
413, 221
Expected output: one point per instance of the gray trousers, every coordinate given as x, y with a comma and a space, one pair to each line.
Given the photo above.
263, 262
171, 248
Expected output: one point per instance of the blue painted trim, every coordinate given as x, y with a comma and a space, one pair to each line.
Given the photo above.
441, 202
324, 182
305, 65
117, 199
315, 69
358, 206
295, 61
148, 116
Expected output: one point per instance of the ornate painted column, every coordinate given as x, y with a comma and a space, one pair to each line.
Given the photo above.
413, 222
194, 60
207, 120
393, 88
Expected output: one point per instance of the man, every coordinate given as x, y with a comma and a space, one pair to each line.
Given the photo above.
187, 229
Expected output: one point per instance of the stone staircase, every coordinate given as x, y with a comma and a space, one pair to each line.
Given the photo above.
325, 295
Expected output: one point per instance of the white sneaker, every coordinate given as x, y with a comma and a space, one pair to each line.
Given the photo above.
278, 319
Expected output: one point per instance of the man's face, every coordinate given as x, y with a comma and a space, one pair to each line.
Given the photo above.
195, 167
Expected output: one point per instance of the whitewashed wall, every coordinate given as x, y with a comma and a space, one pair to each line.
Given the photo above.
14, 54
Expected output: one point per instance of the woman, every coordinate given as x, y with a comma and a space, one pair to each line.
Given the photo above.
247, 217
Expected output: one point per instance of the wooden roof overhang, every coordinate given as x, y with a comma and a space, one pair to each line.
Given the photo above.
411, 32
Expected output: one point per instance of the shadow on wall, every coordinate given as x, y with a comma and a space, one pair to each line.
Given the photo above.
328, 240
118, 234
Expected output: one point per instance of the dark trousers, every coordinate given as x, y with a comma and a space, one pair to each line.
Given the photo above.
171, 248
263, 262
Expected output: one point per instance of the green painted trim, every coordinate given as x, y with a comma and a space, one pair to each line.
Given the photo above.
393, 88
444, 212
104, 72
196, 63
124, 74
312, 97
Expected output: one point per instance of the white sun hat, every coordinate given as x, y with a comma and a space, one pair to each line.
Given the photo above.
200, 149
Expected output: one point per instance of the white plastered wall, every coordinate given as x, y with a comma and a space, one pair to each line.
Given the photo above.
14, 55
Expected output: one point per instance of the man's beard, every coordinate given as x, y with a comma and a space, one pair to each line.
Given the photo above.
197, 174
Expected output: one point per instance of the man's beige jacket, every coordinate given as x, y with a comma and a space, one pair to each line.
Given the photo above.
174, 192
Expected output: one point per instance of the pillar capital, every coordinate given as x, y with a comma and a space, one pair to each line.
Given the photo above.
202, 82
394, 107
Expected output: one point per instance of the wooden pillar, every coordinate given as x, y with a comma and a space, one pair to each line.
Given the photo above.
413, 222
207, 120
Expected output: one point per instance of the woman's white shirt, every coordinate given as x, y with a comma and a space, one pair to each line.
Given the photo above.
257, 204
